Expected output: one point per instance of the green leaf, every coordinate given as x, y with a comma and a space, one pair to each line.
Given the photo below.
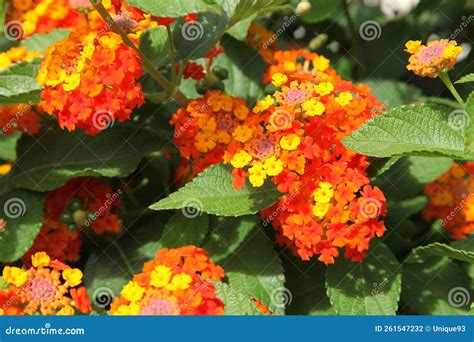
104, 276
408, 176
243, 12
194, 39
379, 166
399, 210
227, 234
466, 78
439, 249
245, 78
320, 10
142, 244
175, 8
256, 271
371, 287
23, 212
18, 83
186, 227
401, 234
47, 161
236, 303
8, 146
40, 42
155, 45
433, 286
406, 130
394, 93
306, 282
212, 192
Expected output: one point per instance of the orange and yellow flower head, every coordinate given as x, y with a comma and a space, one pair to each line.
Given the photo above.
49, 287
206, 129
90, 80
176, 282
15, 55
431, 59
451, 200
82, 206
19, 118
42, 16
293, 139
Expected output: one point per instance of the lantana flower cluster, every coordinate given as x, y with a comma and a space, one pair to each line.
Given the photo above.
15, 55
176, 282
293, 138
90, 81
42, 16
49, 287
451, 200
90, 77
431, 59
83, 203
206, 128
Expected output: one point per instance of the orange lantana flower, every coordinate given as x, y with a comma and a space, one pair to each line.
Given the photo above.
451, 199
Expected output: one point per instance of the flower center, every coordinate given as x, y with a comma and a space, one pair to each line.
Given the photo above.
431, 52
295, 96
40, 289
158, 307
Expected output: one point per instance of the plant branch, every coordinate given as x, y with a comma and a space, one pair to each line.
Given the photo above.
147, 65
447, 82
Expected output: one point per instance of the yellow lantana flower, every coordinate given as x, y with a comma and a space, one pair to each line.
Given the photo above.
160, 276
132, 291
290, 142
279, 79
241, 159
73, 276
40, 259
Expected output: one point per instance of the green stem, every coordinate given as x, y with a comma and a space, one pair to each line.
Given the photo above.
350, 22
173, 55
447, 82
355, 39
147, 65
124, 257
156, 97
